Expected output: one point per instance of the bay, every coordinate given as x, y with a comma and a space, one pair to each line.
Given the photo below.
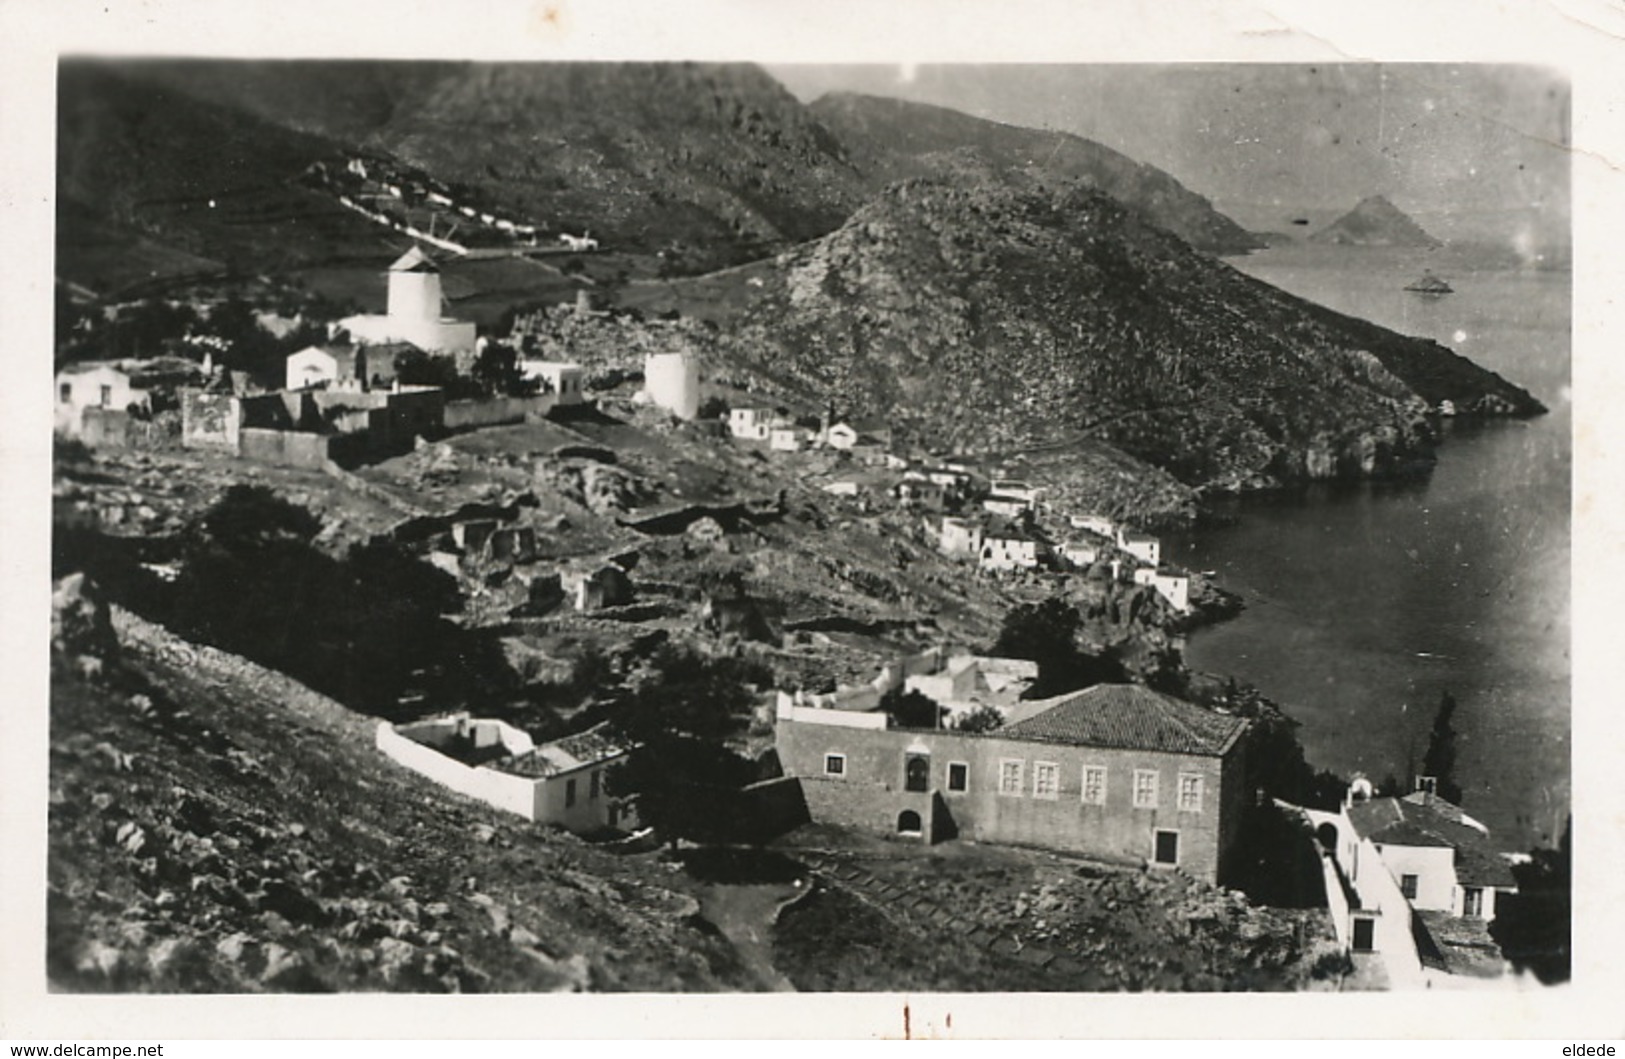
1367, 601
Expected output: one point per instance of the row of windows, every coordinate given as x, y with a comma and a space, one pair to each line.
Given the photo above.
1046, 781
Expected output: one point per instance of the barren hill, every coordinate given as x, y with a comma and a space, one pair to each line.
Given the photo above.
1010, 321
197, 176
1374, 221
890, 139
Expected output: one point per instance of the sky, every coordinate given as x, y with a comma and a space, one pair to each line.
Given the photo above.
1471, 151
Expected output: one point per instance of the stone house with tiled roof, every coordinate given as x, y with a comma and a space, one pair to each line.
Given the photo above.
1116, 771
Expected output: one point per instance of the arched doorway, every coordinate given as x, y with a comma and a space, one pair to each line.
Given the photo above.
908, 822
917, 773
1327, 835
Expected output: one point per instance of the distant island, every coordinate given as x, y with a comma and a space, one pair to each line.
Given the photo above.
1374, 222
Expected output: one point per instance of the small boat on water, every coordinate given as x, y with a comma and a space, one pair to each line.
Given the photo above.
1430, 284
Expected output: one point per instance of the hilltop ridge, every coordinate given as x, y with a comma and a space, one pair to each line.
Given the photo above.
892, 139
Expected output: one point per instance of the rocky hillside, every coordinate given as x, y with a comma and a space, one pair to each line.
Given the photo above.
1020, 321
217, 827
1374, 221
713, 164
701, 165
890, 139
201, 177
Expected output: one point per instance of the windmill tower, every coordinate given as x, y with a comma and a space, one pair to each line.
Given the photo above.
414, 287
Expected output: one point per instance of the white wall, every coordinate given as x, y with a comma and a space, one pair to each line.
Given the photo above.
1435, 871
516, 794
788, 711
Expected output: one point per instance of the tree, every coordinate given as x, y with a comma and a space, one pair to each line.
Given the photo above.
364, 628
1440, 759
912, 709
1534, 926
413, 367
498, 370
1047, 633
680, 713
982, 719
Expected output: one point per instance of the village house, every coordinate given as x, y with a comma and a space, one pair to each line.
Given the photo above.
1009, 546
1008, 506
751, 424
785, 437
841, 435
560, 378
594, 586
561, 782
842, 487
1169, 584
1415, 881
338, 366
1018, 490
960, 537
850, 433
414, 313
93, 384
1142, 546
1099, 525
959, 682
917, 491
1079, 553
1116, 771
966, 682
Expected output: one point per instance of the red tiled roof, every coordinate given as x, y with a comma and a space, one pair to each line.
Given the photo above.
1129, 717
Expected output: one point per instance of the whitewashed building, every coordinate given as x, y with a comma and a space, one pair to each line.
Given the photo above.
1008, 548
1097, 524
1171, 586
562, 782
95, 384
750, 424
561, 378
1142, 546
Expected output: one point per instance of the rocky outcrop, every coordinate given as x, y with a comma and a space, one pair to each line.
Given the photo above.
1015, 323
1374, 221
81, 624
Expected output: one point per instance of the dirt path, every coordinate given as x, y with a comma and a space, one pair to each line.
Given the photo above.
745, 914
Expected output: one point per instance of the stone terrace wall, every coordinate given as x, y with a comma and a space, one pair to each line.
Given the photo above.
285, 448
496, 411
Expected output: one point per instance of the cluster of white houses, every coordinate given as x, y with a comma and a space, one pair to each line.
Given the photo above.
343, 396
1002, 537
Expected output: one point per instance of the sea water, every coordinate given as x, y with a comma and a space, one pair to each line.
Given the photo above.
1366, 602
